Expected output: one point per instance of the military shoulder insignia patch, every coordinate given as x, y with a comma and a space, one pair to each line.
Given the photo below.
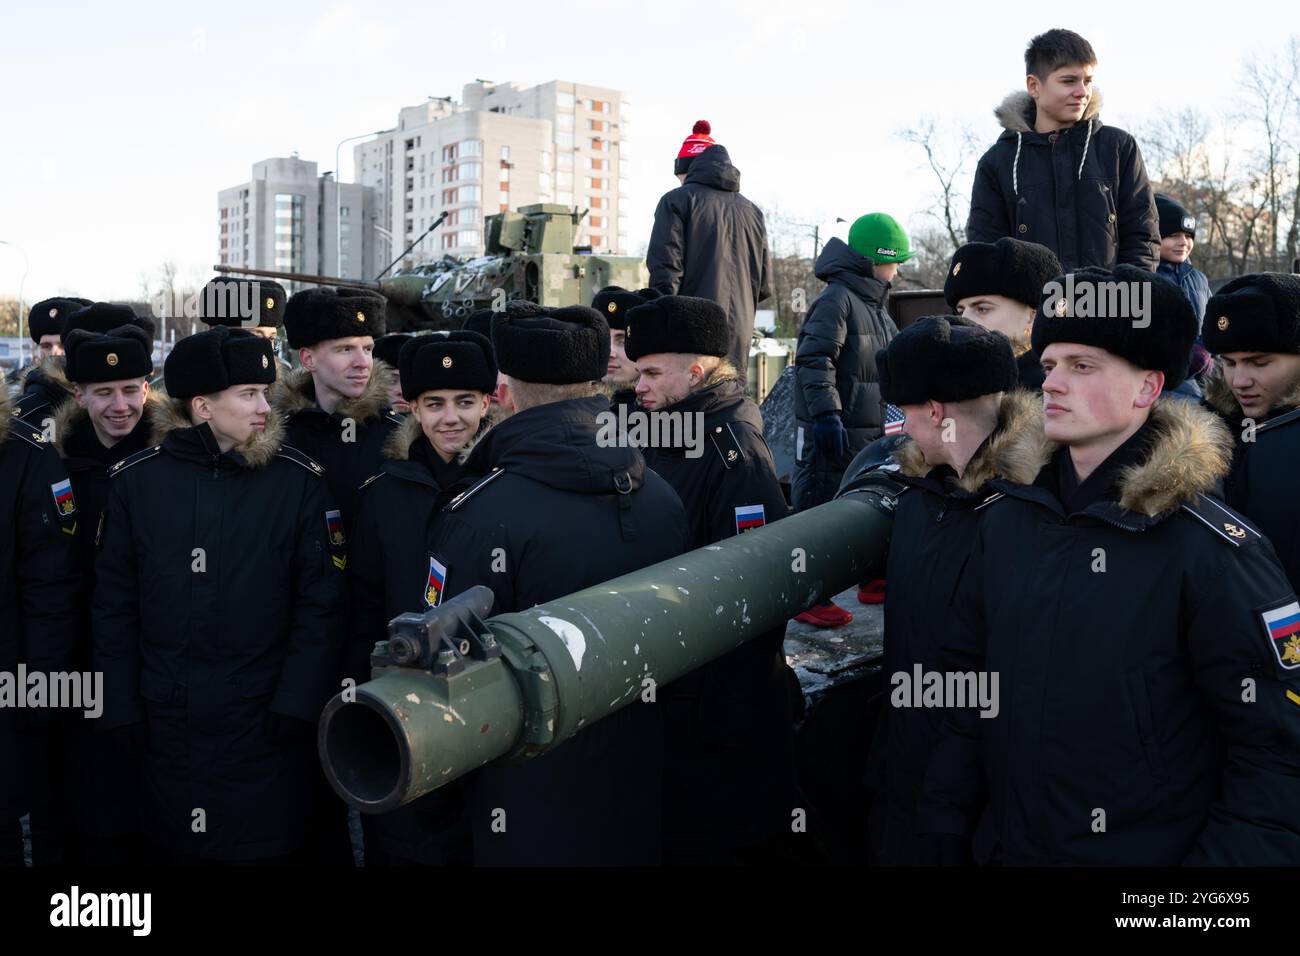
130, 460
1283, 627
1228, 525
749, 517
474, 489
727, 445
299, 458
436, 582
334, 525
63, 500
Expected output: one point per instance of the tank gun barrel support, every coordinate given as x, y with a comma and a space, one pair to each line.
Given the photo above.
453, 689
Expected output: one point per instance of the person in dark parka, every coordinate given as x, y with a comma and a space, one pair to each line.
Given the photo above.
566, 512
335, 408
446, 378
729, 780
39, 580
1057, 176
710, 241
953, 379
91, 812
1143, 632
1252, 326
387, 349
218, 610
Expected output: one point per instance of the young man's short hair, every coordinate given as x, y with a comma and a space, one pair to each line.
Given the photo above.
1054, 49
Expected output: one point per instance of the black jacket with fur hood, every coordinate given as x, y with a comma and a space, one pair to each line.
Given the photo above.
45, 389
348, 443
935, 524
218, 622
1262, 484
1081, 191
1145, 717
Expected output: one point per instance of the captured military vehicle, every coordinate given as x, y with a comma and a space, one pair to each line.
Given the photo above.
529, 254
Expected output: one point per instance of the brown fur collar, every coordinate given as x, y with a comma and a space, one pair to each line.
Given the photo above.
1219, 395
1015, 451
53, 367
294, 392
72, 416
257, 452
724, 371
1015, 110
6, 414
1191, 451
397, 447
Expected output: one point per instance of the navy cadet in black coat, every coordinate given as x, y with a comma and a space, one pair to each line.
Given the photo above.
90, 811
1143, 633
218, 610
1252, 325
565, 510
447, 378
729, 781
39, 580
967, 422
336, 406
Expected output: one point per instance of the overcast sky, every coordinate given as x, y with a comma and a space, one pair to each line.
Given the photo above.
122, 121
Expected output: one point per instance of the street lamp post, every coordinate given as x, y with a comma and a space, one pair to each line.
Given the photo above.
21, 283
338, 200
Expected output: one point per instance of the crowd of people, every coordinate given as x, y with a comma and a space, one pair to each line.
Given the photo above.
1092, 506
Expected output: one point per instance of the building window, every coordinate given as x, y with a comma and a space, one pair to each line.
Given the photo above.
505, 152
564, 101
289, 232
471, 193
544, 182
471, 147
564, 140
564, 121
596, 222
344, 211
598, 106
596, 202
564, 161
469, 171
563, 180
596, 144
564, 198
469, 214
449, 154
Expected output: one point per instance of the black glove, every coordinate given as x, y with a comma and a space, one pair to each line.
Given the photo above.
830, 438
944, 849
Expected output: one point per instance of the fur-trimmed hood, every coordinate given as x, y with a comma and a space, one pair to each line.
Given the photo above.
295, 392
397, 447
71, 417
1016, 112
1218, 394
1015, 451
1190, 453
53, 368
170, 416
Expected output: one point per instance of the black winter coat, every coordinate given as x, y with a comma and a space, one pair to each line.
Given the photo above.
388, 570
730, 772
1261, 484
835, 358
549, 501
227, 655
935, 524
321, 435
1082, 191
710, 241
105, 769
1146, 717
39, 581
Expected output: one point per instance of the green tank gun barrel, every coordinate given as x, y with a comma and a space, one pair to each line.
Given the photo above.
453, 689
296, 277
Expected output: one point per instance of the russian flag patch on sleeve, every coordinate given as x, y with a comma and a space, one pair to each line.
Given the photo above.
749, 517
436, 583
1283, 626
63, 500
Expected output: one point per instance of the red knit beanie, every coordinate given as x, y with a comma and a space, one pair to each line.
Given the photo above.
693, 145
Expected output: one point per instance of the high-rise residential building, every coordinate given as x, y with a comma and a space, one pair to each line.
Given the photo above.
503, 146
290, 219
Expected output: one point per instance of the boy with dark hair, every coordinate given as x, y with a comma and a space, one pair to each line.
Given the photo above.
1056, 175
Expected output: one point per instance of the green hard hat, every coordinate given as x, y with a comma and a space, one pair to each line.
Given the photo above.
880, 238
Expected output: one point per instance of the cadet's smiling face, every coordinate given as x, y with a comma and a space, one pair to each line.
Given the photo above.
340, 366
50, 345
235, 415
450, 418
1260, 381
621, 370
1091, 397
114, 407
666, 378
997, 313
1176, 248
